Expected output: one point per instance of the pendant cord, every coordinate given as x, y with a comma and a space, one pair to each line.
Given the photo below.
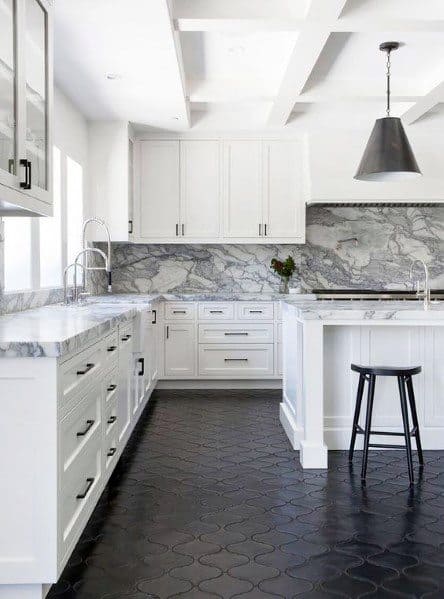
388, 83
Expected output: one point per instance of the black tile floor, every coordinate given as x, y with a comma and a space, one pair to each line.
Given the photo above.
209, 500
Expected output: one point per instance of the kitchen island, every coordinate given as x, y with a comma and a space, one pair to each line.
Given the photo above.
320, 341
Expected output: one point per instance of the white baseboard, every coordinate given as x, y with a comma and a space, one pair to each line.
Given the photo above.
293, 432
219, 384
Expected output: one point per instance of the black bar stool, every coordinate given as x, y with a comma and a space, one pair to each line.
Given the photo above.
404, 375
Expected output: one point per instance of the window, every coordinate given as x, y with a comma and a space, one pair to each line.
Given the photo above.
36, 250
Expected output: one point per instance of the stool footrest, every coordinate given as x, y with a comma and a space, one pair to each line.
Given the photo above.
360, 431
386, 446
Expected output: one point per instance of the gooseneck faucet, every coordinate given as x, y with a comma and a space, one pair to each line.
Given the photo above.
104, 226
425, 293
77, 263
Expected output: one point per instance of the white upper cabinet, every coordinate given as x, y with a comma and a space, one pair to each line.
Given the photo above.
283, 190
242, 189
200, 190
26, 114
157, 212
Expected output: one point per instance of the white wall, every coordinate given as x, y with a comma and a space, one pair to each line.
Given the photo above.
71, 135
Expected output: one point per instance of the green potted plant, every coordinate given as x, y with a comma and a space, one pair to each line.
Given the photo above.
285, 270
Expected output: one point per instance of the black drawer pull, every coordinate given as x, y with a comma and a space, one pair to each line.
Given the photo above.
89, 425
112, 348
111, 452
141, 361
236, 334
256, 311
111, 420
179, 311
88, 367
216, 311
154, 321
236, 360
89, 484
125, 337
111, 387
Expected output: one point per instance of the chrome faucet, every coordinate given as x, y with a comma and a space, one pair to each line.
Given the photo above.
66, 299
425, 293
77, 263
103, 224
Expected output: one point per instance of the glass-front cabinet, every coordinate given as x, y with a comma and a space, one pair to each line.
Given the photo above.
26, 91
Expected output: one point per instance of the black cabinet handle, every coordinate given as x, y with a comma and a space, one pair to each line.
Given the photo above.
183, 230
130, 227
265, 230
111, 420
89, 425
111, 387
154, 321
26, 184
236, 334
216, 311
89, 484
179, 311
177, 229
142, 369
111, 452
260, 230
111, 348
89, 367
125, 337
256, 311
168, 332
236, 359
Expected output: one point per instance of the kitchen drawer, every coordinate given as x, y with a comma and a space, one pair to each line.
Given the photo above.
216, 311
79, 425
236, 333
110, 420
126, 335
81, 370
255, 310
180, 310
236, 361
111, 350
110, 383
78, 492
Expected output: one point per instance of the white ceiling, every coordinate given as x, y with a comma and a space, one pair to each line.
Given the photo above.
253, 64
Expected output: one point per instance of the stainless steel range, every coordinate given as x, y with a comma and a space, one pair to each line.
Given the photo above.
372, 294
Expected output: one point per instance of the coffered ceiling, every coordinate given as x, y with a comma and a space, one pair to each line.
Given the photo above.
224, 64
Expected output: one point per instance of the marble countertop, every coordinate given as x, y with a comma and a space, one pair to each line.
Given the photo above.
54, 331
394, 311
140, 298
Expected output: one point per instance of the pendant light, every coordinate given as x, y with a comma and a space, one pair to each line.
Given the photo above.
388, 155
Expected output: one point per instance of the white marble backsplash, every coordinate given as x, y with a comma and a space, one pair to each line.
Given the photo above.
388, 240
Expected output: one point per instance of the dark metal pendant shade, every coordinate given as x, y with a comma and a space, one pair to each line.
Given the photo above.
388, 155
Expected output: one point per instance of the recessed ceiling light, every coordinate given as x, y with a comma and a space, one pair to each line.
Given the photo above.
113, 76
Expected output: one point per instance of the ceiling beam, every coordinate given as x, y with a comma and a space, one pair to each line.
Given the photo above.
308, 47
342, 25
425, 104
180, 65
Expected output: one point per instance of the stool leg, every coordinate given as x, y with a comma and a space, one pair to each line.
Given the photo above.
359, 395
405, 421
411, 395
368, 424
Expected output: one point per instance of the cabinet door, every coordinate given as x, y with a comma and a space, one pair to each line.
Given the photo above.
157, 209
179, 350
242, 189
8, 96
284, 202
36, 93
200, 189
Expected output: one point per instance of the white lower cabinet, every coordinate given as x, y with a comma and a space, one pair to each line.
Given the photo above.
220, 340
179, 349
125, 383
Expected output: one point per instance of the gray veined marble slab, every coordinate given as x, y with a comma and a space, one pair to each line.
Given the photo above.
54, 331
388, 311
198, 296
